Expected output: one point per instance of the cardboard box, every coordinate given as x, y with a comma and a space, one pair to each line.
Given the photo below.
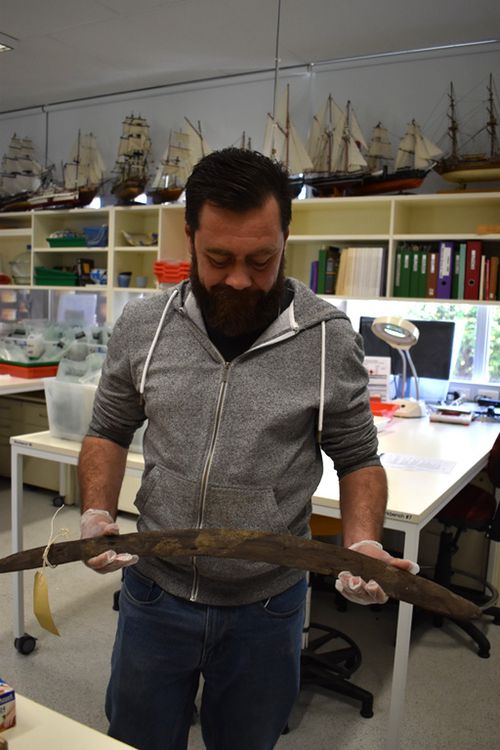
7, 706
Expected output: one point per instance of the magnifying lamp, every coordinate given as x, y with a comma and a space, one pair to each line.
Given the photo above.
402, 335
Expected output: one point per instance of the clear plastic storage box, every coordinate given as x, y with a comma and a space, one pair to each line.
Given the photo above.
69, 409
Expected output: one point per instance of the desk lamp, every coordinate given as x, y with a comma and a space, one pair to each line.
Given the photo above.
402, 335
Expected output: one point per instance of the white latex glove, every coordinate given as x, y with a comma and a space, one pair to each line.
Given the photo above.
97, 522
359, 591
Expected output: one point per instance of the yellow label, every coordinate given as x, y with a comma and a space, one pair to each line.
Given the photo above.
41, 606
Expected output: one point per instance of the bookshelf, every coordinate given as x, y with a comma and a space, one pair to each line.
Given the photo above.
389, 222
362, 222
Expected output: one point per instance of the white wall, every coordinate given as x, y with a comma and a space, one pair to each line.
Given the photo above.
393, 90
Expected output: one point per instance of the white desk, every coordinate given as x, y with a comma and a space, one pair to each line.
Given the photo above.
41, 728
414, 499
9, 384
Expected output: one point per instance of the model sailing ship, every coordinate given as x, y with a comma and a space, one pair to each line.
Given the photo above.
21, 174
183, 151
335, 143
416, 156
282, 143
463, 166
131, 166
83, 175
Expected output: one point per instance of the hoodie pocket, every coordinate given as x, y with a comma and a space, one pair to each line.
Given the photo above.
248, 508
167, 500
251, 508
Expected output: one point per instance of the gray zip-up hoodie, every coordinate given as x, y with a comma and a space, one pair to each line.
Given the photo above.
233, 444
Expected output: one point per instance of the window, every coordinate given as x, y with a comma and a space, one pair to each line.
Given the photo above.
476, 359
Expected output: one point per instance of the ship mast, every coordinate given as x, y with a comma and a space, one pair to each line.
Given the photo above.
346, 136
453, 126
77, 160
491, 124
330, 133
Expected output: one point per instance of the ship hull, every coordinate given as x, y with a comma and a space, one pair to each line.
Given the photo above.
328, 185
295, 185
128, 190
392, 182
20, 199
462, 171
62, 199
166, 195
67, 199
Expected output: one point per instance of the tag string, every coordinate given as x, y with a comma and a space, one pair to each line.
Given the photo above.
52, 538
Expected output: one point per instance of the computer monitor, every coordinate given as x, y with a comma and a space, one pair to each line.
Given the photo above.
432, 354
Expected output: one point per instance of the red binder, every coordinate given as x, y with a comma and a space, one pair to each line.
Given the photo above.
472, 269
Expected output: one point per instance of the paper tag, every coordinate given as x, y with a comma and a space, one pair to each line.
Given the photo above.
41, 606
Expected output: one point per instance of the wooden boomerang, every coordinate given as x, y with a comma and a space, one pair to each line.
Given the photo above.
286, 550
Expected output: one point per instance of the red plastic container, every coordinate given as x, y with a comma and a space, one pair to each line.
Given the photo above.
171, 273
28, 371
383, 408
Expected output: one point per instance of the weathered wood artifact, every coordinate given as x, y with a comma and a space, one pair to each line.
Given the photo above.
286, 550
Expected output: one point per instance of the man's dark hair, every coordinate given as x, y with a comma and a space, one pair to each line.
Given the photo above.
237, 180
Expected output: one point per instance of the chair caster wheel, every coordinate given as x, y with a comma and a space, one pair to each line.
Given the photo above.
25, 644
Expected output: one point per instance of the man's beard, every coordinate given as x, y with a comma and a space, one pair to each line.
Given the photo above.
235, 312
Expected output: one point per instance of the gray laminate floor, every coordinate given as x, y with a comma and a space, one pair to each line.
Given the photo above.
453, 696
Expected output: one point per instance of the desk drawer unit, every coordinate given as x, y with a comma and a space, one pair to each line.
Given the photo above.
20, 415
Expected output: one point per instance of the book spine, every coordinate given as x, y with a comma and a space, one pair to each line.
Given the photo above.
472, 269
493, 283
321, 270
414, 270
456, 273
313, 279
432, 274
462, 252
422, 282
405, 271
445, 263
332, 265
396, 289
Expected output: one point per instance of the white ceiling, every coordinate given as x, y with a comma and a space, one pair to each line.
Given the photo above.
70, 49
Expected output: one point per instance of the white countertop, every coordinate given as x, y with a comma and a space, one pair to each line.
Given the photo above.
414, 494
10, 384
40, 728
463, 446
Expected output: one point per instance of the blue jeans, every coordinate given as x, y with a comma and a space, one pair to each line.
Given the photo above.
249, 657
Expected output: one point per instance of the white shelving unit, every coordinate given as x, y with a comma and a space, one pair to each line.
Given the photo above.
387, 221
379, 220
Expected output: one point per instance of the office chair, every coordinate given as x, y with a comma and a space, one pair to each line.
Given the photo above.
472, 508
332, 669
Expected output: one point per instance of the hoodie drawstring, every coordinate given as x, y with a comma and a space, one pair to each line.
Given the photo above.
322, 381
155, 340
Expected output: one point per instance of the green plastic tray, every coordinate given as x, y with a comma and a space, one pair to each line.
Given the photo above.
67, 241
55, 282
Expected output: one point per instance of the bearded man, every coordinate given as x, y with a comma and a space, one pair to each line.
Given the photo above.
244, 376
